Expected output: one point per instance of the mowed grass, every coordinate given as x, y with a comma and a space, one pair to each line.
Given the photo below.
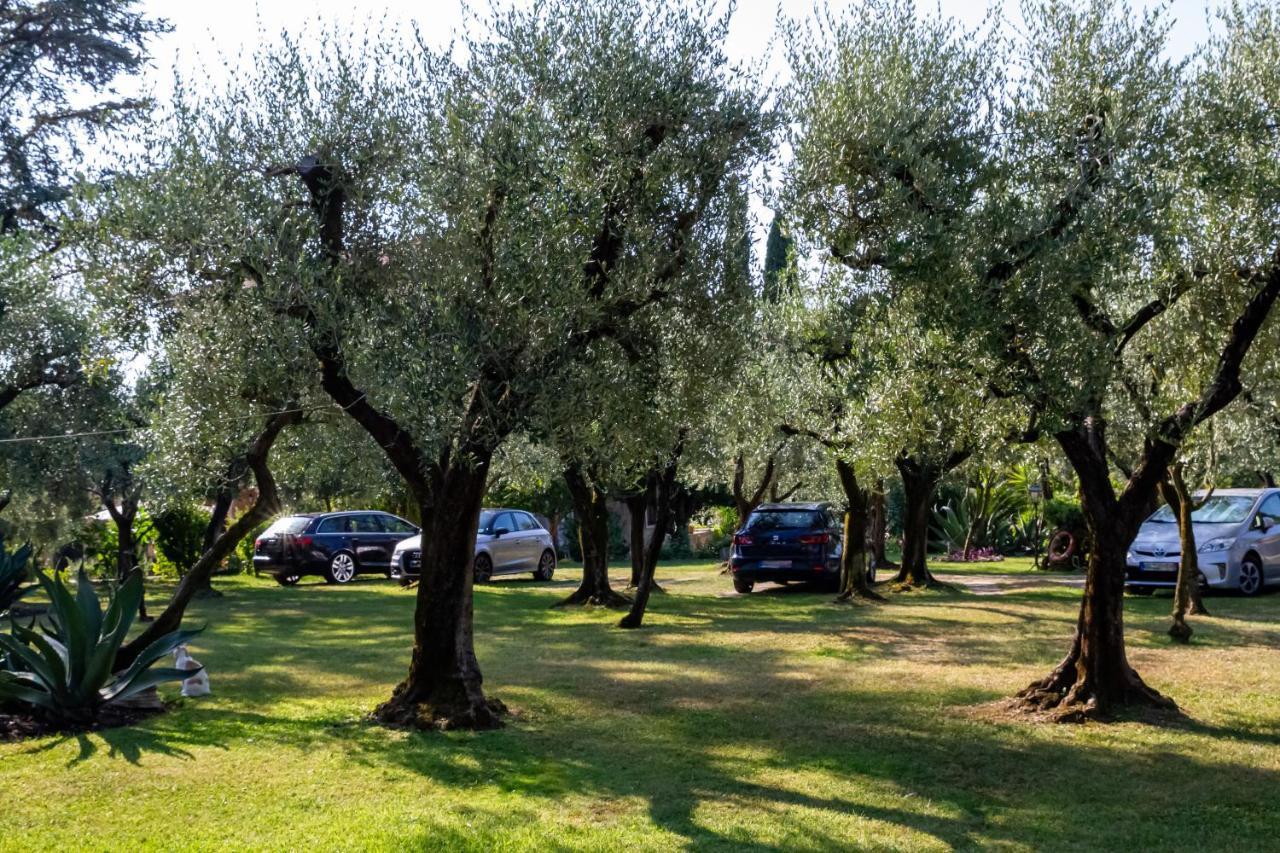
772, 721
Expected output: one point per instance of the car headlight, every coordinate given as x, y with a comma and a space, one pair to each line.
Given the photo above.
1216, 545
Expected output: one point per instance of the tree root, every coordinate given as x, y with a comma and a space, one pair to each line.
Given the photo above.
849, 596
399, 713
1197, 608
1067, 696
656, 587
1180, 631
932, 584
584, 598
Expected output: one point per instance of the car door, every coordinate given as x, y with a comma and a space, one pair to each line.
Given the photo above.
504, 549
333, 534
371, 541
390, 530
1268, 541
530, 541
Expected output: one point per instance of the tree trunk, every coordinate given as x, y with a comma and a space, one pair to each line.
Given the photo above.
265, 506
637, 505
1186, 591
853, 558
879, 528
589, 504
920, 483
663, 486
443, 687
743, 501
216, 527
1095, 676
126, 543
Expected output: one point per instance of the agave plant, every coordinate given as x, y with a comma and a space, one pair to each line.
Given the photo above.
65, 670
13, 574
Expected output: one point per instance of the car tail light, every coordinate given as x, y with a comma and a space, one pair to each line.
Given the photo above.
815, 539
818, 568
742, 539
257, 543
304, 541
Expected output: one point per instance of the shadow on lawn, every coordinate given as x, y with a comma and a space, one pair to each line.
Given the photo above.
709, 736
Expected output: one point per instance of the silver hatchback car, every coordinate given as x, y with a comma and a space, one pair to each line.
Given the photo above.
1237, 537
508, 542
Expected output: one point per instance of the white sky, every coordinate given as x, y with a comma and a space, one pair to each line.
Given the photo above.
207, 32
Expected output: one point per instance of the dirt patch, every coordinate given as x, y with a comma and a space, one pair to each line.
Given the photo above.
1005, 584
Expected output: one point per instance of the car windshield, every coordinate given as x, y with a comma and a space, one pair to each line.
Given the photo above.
289, 524
1219, 509
790, 519
486, 520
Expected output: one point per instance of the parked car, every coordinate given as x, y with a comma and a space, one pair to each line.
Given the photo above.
787, 542
508, 542
336, 545
1237, 537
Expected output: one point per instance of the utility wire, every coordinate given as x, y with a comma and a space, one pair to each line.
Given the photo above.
30, 439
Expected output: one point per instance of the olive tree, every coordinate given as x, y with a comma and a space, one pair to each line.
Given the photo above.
442, 237
1060, 218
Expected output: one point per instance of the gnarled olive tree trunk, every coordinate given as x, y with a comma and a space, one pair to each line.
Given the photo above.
663, 485
919, 483
1095, 676
590, 505
879, 528
1186, 591
854, 581
444, 687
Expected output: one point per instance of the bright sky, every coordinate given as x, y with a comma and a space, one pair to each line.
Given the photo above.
206, 33
205, 30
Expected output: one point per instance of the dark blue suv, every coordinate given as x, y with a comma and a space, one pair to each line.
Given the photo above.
787, 542
336, 545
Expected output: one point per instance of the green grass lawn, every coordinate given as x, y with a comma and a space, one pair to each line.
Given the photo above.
771, 721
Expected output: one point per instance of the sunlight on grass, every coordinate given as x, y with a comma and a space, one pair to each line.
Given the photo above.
775, 720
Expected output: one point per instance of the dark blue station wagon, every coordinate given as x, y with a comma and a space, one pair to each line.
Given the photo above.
787, 542
335, 545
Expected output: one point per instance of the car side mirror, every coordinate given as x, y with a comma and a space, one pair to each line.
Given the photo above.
501, 531
1265, 523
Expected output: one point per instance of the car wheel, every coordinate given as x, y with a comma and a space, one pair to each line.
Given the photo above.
546, 566
743, 586
1250, 576
287, 579
342, 568
483, 568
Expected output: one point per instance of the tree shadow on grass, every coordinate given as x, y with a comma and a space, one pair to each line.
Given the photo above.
736, 745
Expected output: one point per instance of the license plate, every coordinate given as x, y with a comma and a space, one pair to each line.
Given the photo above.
775, 564
1159, 567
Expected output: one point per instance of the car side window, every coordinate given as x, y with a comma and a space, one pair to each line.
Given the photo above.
1270, 509
526, 521
504, 522
333, 525
394, 525
367, 524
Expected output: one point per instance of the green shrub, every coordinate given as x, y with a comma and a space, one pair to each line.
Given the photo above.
65, 670
1064, 514
180, 533
13, 574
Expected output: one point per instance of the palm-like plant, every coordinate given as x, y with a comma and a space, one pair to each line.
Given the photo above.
65, 670
13, 574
